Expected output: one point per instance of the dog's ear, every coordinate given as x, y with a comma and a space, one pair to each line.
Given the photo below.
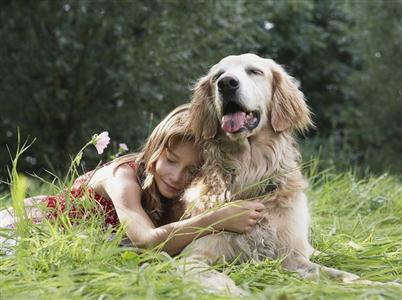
288, 107
203, 118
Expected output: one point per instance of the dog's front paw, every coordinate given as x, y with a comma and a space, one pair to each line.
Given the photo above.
349, 277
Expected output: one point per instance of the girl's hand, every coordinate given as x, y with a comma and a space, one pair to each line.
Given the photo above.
238, 216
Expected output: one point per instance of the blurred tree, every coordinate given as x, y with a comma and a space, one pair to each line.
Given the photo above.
59, 65
373, 116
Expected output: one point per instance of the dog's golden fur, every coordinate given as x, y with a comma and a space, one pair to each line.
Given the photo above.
260, 163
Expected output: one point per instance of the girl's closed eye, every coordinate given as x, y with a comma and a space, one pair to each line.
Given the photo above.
170, 158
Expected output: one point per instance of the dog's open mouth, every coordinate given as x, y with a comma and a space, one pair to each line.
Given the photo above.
238, 121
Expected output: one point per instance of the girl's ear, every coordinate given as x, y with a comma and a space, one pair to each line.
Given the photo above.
288, 107
202, 117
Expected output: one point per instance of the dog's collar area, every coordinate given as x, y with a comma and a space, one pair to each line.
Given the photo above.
265, 189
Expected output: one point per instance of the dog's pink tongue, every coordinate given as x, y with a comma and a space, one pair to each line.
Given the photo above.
233, 122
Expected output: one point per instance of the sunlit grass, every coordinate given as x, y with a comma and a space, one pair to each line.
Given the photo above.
356, 223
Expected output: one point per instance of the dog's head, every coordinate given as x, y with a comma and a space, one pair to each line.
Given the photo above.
242, 94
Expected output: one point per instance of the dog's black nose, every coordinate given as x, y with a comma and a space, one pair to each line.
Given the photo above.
228, 84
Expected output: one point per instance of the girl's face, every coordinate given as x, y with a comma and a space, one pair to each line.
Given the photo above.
175, 168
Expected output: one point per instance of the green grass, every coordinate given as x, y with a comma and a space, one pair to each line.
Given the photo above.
357, 223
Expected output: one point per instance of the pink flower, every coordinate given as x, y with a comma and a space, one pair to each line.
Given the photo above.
101, 141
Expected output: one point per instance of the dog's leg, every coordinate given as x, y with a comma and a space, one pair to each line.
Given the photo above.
198, 258
196, 269
292, 237
301, 264
307, 269
310, 270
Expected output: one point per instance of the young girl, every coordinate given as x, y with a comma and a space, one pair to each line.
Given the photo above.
142, 191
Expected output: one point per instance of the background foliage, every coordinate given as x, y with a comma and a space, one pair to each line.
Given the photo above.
73, 68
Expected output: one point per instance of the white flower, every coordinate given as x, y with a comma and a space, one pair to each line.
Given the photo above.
101, 141
123, 147
268, 25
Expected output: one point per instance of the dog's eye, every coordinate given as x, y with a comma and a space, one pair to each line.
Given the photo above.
216, 76
254, 71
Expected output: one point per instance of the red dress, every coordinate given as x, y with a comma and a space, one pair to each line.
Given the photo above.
57, 204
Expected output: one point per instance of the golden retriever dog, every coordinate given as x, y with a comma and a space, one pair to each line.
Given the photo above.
245, 111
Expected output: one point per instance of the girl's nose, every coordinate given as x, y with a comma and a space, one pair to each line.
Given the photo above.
177, 177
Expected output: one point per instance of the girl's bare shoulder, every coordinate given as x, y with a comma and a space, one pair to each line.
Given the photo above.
111, 172
122, 171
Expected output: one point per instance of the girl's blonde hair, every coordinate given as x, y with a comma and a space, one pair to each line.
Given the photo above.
168, 133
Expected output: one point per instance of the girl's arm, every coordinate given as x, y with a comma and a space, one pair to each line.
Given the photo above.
239, 217
125, 193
